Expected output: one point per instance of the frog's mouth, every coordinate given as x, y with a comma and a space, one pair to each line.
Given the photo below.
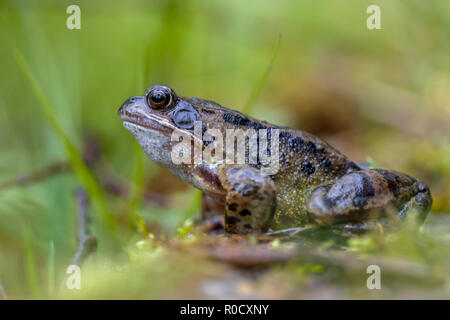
135, 113
149, 124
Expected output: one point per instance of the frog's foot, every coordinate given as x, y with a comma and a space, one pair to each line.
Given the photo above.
365, 195
211, 208
213, 225
250, 200
212, 215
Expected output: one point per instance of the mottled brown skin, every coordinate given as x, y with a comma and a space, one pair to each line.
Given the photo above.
315, 185
250, 199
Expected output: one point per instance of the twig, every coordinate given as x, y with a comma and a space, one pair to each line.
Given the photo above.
250, 256
121, 190
3, 295
92, 156
87, 243
39, 175
244, 255
111, 185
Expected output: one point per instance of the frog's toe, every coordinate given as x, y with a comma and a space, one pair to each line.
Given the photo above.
419, 204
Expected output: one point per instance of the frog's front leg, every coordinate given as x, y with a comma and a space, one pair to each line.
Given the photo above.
372, 194
250, 198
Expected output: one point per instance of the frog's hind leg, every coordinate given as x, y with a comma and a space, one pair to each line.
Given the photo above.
250, 200
368, 195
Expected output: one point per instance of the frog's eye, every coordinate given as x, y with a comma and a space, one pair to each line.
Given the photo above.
159, 98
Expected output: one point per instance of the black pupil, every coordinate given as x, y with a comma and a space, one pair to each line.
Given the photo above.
158, 97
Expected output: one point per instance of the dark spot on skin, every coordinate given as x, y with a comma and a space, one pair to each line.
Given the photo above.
229, 117
395, 177
232, 220
391, 181
326, 162
233, 206
241, 121
295, 143
363, 190
256, 125
245, 212
248, 226
310, 147
307, 167
285, 135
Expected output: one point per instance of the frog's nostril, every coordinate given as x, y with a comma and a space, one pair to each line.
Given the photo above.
124, 105
131, 101
132, 104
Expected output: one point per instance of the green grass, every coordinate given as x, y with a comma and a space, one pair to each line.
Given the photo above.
259, 86
81, 170
30, 263
51, 276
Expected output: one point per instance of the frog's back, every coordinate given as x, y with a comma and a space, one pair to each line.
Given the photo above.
305, 161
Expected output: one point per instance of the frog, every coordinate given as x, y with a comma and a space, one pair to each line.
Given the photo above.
314, 185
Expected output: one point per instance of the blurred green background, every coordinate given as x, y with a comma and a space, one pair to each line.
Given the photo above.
382, 95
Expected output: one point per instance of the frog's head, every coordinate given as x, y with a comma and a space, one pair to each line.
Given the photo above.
155, 116
160, 118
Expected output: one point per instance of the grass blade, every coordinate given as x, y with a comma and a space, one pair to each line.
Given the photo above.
81, 170
30, 265
51, 269
259, 85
